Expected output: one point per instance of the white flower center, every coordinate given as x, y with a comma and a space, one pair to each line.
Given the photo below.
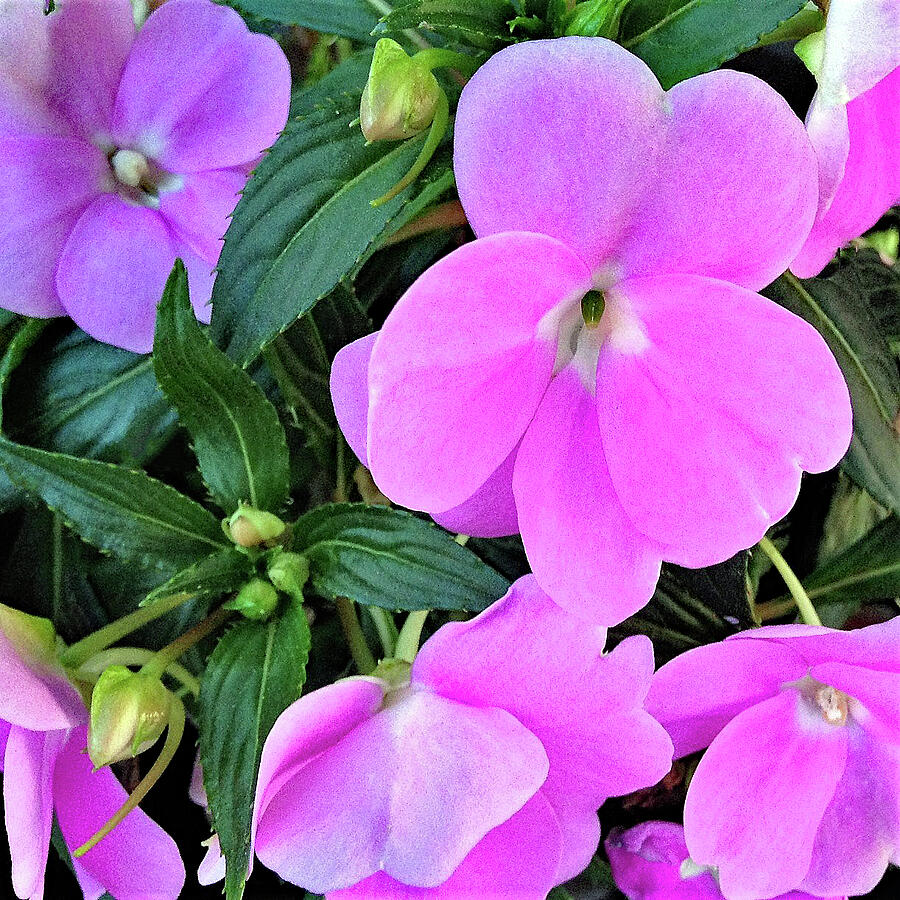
138, 180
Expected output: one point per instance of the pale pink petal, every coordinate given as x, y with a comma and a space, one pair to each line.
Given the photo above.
28, 804
212, 867
871, 177
137, 860
570, 517
45, 185
759, 793
699, 692
89, 43
4, 737
533, 154
349, 384
200, 91
200, 210
830, 136
411, 790
860, 830
514, 861
705, 437
737, 192
458, 369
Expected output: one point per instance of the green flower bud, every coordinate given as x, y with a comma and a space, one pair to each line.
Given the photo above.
256, 600
33, 638
289, 572
129, 711
812, 51
250, 527
595, 18
400, 97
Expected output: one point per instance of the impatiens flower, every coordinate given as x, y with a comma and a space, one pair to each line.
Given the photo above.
596, 370
476, 774
651, 862
122, 151
853, 122
47, 773
800, 786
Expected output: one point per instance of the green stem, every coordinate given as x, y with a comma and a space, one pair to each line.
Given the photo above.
387, 630
435, 135
410, 635
83, 650
133, 656
437, 58
164, 658
438, 218
801, 598
174, 734
356, 640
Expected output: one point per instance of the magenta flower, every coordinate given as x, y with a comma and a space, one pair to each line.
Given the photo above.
854, 124
47, 773
477, 773
596, 370
651, 862
122, 152
800, 786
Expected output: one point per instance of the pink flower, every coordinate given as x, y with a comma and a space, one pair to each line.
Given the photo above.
674, 425
122, 152
478, 773
800, 786
650, 862
43, 736
854, 124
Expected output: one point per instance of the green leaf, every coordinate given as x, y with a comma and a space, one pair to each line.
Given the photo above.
120, 510
481, 23
682, 38
348, 18
305, 221
237, 435
838, 306
388, 557
256, 671
217, 574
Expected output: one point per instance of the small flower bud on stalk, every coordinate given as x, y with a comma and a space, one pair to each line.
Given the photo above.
129, 712
250, 527
289, 572
256, 600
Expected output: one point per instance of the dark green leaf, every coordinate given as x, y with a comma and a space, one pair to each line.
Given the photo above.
238, 438
838, 306
220, 573
256, 671
481, 23
682, 38
348, 18
388, 557
305, 221
120, 510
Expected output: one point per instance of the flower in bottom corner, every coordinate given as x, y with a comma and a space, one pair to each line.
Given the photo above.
46, 773
651, 862
800, 787
476, 773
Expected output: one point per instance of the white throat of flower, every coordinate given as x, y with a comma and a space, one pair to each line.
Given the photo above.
138, 180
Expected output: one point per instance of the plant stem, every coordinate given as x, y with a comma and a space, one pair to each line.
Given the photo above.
801, 598
410, 634
438, 58
133, 656
353, 633
445, 215
387, 630
83, 650
162, 659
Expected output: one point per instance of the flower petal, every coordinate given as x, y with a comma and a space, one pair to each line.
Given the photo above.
349, 383
200, 91
137, 853
878, 692
45, 185
699, 692
747, 204
708, 419
759, 793
583, 548
114, 267
515, 860
461, 363
532, 154
28, 804
411, 791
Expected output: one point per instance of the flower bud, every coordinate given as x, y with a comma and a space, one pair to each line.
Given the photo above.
400, 97
256, 600
129, 711
33, 638
250, 527
595, 18
289, 572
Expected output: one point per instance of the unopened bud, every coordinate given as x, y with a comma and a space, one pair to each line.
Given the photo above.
400, 97
251, 527
289, 572
256, 600
129, 711
595, 18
